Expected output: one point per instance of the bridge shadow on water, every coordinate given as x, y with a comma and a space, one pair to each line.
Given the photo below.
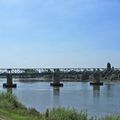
56, 96
96, 91
56, 91
108, 90
9, 90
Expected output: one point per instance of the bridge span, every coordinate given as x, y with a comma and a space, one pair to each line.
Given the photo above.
42, 70
9, 72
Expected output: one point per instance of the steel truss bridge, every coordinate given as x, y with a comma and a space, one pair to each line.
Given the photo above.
18, 71
55, 72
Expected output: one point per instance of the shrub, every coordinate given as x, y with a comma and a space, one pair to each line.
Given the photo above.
9, 101
66, 114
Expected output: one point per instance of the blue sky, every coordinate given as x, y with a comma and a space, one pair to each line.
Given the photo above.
59, 33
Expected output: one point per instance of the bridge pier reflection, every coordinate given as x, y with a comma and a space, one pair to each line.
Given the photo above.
96, 90
10, 90
56, 91
56, 96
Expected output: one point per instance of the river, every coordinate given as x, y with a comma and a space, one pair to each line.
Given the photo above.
96, 100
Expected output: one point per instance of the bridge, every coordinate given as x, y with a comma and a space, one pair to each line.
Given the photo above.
55, 72
15, 71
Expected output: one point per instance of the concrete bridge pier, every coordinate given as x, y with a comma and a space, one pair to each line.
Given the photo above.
96, 79
56, 79
9, 83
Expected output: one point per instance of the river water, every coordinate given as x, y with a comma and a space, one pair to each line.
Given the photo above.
97, 101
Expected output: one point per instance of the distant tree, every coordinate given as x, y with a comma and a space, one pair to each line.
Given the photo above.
85, 75
109, 67
31, 71
98, 70
49, 71
94, 70
113, 68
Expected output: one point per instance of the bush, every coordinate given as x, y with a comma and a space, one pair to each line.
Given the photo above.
9, 101
66, 114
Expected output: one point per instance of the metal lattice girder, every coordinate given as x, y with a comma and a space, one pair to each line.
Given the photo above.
42, 70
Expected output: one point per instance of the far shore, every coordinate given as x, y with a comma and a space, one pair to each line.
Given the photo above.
50, 80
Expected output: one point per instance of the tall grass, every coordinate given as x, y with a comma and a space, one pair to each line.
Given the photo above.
10, 106
114, 117
9, 101
66, 114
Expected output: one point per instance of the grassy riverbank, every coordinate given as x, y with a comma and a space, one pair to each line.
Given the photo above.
11, 109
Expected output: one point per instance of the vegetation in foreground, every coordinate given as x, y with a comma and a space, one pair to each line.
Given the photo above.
12, 109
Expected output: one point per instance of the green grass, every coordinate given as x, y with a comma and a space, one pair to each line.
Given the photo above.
13, 115
8, 100
114, 117
66, 114
12, 109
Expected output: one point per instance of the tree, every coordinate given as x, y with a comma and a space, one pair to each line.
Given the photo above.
109, 67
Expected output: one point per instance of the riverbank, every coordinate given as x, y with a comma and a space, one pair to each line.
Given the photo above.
12, 109
62, 80
47, 80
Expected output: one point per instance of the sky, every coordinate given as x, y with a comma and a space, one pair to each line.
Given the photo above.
59, 33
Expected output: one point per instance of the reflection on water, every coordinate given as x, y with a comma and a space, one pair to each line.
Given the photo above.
56, 91
96, 90
56, 96
109, 89
9, 90
97, 100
